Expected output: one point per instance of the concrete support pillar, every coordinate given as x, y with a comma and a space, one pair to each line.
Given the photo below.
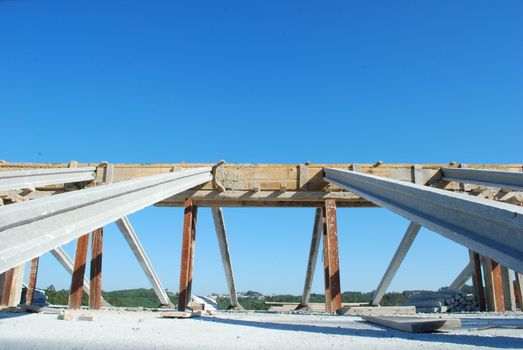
221, 234
95, 298
313, 257
187, 259
331, 258
462, 278
508, 289
31, 286
77, 279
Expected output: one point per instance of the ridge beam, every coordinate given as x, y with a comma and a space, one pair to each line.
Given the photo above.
18, 180
490, 228
29, 229
492, 178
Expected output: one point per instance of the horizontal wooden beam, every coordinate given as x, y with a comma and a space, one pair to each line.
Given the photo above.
267, 185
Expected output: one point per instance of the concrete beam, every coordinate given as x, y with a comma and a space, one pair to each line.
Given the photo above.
17, 180
493, 178
139, 252
490, 228
29, 229
462, 278
221, 234
402, 250
313, 258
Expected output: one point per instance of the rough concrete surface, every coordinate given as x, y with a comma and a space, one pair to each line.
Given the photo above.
146, 330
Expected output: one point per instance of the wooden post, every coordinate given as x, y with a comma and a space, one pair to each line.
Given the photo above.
331, 258
187, 259
95, 297
12, 287
77, 279
477, 282
32, 281
493, 285
498, 286
518, 289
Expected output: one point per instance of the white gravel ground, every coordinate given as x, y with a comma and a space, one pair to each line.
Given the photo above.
145, 330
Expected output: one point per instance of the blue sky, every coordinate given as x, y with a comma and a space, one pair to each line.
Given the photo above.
264, 82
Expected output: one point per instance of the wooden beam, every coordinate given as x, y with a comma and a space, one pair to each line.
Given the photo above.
12, 286
498, 286
95, 297
331, 258
477, 281
237, 182
31, 286
518, 289
77, 279
187, 256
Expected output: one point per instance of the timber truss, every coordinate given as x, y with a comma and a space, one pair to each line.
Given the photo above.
46, 205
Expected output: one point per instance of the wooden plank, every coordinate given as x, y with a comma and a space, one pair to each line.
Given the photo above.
33, 274
187, 255
477, 281
180, 314
331, 258
414, 324
518, 289
95, 285
77, 279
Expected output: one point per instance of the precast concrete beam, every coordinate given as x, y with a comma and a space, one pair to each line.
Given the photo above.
462, 278
17, 180
139, 252
492, 178
29, 229
490, 228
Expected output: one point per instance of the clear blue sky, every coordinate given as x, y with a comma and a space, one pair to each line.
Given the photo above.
267, 81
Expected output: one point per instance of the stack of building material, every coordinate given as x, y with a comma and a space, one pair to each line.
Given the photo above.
444, 300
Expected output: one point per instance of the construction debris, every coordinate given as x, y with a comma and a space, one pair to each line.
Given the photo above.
376, 310
444, 300
415, 324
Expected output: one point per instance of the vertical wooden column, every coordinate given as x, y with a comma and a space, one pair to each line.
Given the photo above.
477, 282
187, 259
493, 285
331, 258
95, 285
7, 287
33, 274
518, 289
77, 279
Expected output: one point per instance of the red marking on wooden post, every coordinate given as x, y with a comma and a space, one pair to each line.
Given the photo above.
497, 282
77, 280
32, 281
331, 257
95, 297
187, 258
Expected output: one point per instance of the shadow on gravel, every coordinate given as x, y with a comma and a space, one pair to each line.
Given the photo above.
7, 315
503, 342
